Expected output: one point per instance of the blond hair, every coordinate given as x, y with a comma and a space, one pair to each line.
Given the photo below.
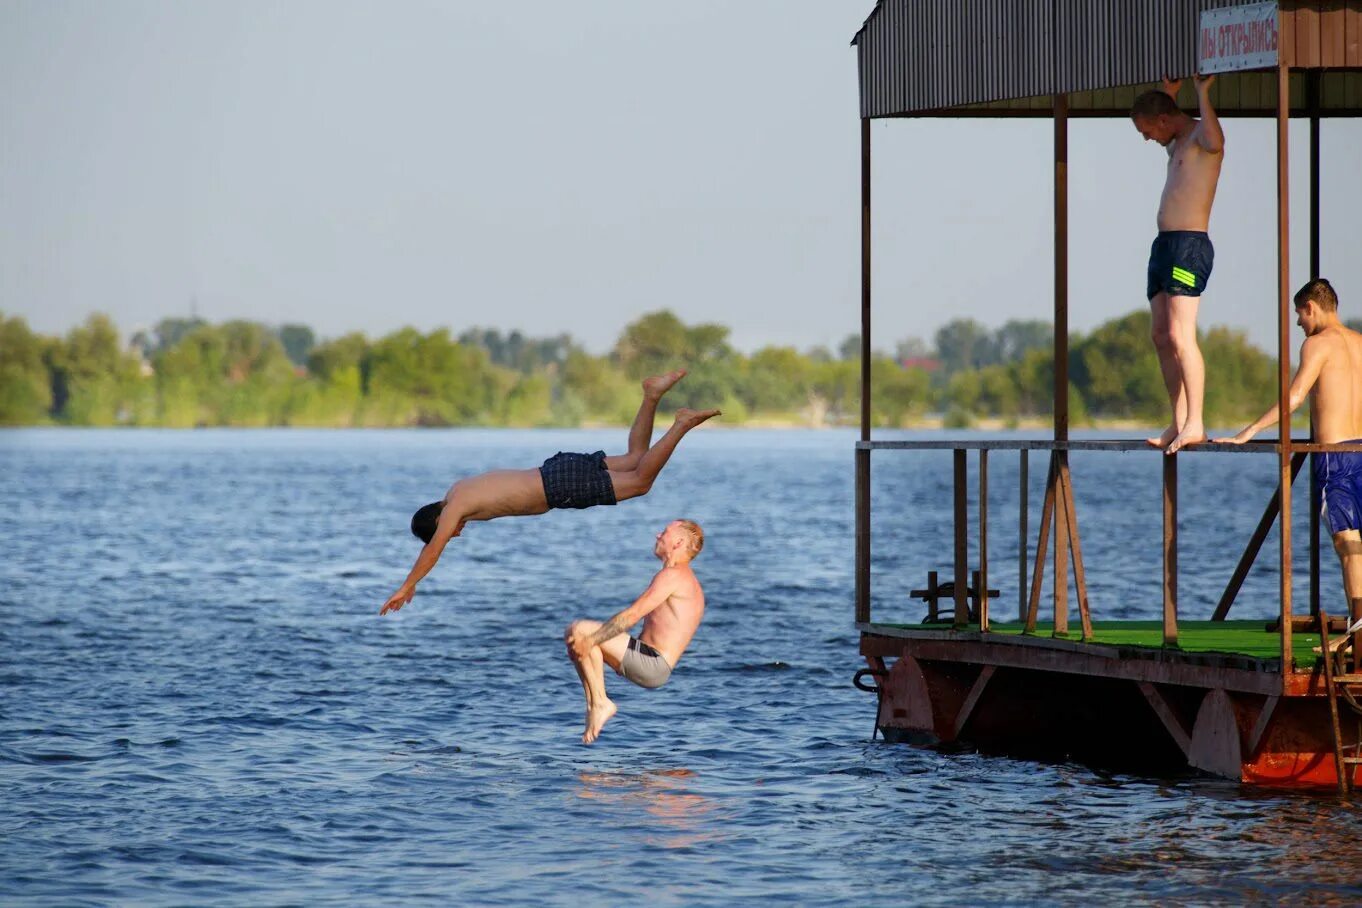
697, 536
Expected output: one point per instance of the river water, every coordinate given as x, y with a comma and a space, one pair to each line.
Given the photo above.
200, 704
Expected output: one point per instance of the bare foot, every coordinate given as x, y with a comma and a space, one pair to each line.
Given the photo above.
1191, 435
1164, 440
596, 717
658, 385
692, 418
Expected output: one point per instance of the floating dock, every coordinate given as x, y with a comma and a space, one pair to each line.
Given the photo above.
1231, 698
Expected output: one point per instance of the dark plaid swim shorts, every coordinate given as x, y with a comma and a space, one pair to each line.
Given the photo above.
577, 480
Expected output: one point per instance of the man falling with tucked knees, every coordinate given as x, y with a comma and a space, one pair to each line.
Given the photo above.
670, 609
564, 481
1330, 372
1181, 257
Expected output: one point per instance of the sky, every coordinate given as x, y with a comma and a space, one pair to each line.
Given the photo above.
562, 167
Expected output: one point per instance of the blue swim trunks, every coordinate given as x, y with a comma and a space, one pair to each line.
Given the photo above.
577, 480
1179, 263
1340, 485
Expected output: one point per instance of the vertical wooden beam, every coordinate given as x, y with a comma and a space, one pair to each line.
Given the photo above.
1170, 550
865, 280
961, 540
983, 540
1284, 359
863, 456
1312, 103
1312, 95
1061, 206
1061, 117
1062, 549
1021, 536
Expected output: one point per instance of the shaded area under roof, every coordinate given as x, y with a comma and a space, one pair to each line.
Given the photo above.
1008, 58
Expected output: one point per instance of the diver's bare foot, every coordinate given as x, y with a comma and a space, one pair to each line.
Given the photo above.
1164, 440
657, 385
691, 418
1191, 435
596, 717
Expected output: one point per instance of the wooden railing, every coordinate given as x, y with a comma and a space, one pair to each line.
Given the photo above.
1060, 511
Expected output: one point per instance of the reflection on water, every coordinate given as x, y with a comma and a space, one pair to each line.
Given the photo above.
685, 819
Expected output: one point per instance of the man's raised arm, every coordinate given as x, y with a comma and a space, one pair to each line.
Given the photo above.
1209, 135
1312, 361
447, 528
664, 584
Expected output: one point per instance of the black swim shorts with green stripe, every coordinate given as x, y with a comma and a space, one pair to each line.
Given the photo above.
1179, 263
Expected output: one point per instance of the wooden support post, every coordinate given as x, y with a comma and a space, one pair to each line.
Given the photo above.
863, 457
961, 540
1170, 550
1284, 360
1255, 544
1315, 502
983, 540
1061, 575
1061, 210
1021, 536
1180, 735
862, 536
1075, 547
1047, 512
1312, 78
972, 699
1331, 691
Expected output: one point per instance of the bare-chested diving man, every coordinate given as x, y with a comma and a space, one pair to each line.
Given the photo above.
564, 481
1330, 371
1181, 257
670, 608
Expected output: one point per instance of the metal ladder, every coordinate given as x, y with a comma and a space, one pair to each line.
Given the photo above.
1338, 680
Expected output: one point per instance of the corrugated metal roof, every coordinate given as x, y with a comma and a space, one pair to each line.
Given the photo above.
971, 57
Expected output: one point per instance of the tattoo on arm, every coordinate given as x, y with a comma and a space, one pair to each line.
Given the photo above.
609, 630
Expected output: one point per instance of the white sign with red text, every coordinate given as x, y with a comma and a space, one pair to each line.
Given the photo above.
1237, 37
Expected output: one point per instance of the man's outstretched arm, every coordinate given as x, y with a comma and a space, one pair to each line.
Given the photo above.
663, 585
447, 528
1209, 135
1312, 361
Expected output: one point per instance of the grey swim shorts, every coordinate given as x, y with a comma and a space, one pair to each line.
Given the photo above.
644, 665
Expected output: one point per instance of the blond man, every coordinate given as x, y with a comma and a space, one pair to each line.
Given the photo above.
670, 609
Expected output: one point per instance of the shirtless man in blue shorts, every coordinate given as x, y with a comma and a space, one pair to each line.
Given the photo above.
1181, 256
564, 481
1330, 372
670, 609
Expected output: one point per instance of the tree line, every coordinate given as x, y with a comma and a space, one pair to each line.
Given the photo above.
188, 373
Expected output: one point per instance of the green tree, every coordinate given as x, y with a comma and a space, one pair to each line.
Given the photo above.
595, 389
428, 380
25, 385
964, 344
94, 380
298, 341
1117, 370
1018, 337
776, 380
1241, 380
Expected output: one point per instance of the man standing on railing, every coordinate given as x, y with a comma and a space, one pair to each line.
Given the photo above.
1330, 372
1181, 256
